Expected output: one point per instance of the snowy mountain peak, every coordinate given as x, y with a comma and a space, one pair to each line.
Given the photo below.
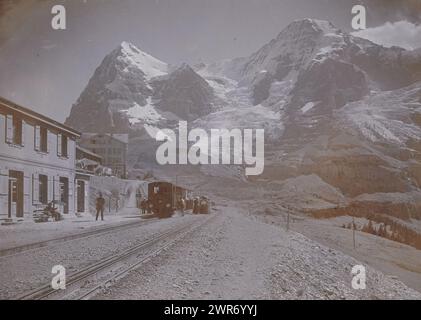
299, 45
303, 28
184, 68
323, 25
128, 46
120, 83
133, 56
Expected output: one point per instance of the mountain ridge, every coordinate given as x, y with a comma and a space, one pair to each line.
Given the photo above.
333, 106
129, 89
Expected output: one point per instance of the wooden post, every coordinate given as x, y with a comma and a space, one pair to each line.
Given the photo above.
353, 231
174, 192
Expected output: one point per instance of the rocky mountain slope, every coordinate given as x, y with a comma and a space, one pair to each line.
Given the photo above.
324, 64
347, 111
184, 93
342, 116
131, 88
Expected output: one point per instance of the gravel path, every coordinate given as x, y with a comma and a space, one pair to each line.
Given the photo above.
28, 232
238, 257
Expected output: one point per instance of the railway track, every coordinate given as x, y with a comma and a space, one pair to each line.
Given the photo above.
52, 242
84, 283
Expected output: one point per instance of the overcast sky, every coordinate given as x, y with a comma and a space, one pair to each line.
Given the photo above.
46, 70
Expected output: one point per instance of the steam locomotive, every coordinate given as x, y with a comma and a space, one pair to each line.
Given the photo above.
164, 198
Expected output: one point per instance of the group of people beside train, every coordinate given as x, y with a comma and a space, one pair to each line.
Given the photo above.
198, 205
201, 205
160, 207
146, 206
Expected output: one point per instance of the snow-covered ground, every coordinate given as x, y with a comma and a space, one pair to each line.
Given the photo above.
239, 111
237, 256
147, 113
386, 116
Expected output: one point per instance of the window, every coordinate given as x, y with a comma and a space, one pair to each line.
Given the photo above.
14, 130
17, 131
41, 139
44, 140
62, 145
43, 189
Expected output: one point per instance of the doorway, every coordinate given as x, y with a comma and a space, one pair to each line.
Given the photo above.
15, 192
80, 196
64, 194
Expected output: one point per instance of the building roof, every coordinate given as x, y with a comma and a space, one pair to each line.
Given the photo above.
88, 152
35, 115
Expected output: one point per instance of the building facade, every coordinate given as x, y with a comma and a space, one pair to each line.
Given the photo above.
37, 163
86, 160
87, 163
112, 148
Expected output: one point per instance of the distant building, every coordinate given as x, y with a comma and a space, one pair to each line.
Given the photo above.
87, 164
37, 162
112, 148
86, 160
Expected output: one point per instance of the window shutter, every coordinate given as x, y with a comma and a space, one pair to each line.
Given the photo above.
4, 180
56, 188
27, 193
9, 128
37, 138
50, 188
22, 143
66, 145
35, 188
47, 145
59, 144
70, 188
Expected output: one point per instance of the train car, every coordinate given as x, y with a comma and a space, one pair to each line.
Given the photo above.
160, 196
164, 196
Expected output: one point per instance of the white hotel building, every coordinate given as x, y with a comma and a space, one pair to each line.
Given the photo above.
37, 163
